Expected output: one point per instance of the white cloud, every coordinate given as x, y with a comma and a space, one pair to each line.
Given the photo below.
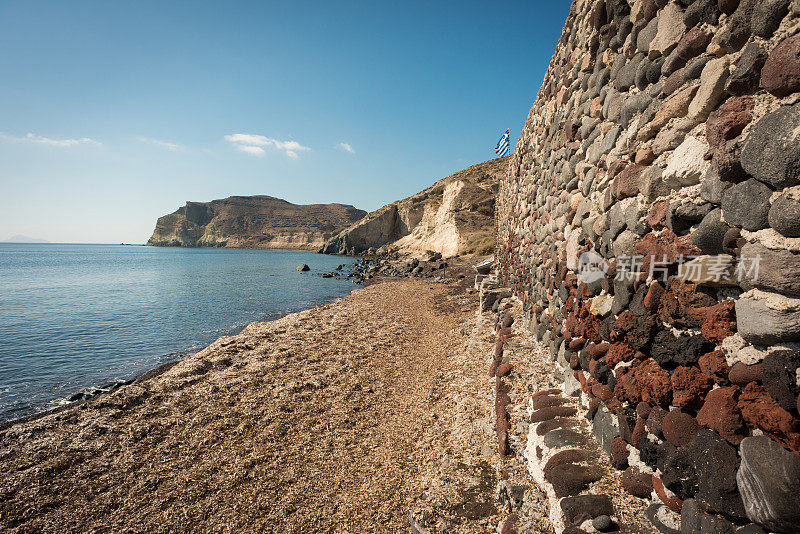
253, 143
33, 138
347, 147
163, 144
255, 150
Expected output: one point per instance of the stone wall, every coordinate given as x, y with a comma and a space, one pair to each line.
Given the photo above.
650, 223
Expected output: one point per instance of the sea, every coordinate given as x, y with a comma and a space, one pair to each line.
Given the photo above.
77, 317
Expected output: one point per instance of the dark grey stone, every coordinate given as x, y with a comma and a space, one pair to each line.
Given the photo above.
709, 233
745, 77
651, 513
602, 523
746, 205
767, 16
771, 152
713, 187
694, 67
763, 325
716, 463
769, 482
561, 437
690, 517
605, 428
780, 377
784, 216
702, 11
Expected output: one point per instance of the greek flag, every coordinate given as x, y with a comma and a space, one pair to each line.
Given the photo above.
503, 146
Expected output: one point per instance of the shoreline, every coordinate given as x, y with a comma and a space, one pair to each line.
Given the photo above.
106, 388
305, 375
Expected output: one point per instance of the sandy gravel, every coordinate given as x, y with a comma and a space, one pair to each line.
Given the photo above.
323, 421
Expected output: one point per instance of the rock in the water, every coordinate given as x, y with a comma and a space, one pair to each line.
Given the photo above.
303, 267
769, 482
771, 152
746, 205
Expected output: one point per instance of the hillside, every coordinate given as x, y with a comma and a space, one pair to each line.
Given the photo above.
252, 222
455, 215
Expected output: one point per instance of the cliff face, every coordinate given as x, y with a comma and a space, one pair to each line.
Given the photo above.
252, 222
454, 215
649, 224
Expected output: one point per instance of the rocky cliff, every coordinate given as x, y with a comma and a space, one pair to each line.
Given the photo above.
454, 215
252, 222
649, 225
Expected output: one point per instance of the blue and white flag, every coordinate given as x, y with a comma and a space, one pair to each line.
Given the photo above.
503, 146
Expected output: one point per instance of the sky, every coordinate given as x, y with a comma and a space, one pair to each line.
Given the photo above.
115, 113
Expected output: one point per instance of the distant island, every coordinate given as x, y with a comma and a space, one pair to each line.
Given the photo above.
19, 238
253, 222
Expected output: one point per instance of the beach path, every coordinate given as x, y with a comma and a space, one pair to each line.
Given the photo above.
323, 421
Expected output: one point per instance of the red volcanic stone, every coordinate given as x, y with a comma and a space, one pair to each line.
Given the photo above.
577, 343
652, 383
510, 525
781, 72
665, 247
502, 442
657, 216
727, 6
569, 456
652, 299
673, 503
504, 369
625, 390
721, 412
602, 391
683, 305
741, 374
619, 352
637, 483
760, 410
619, 453
544, 401
673, 82
689, 386
728, 121
626, 183
493, 369
551, 412
498, 349
645, 156
693, 43
571, 479
714, 365
574, 362
643, 410
720, 321
597, 350
639, 430
655, 419
679, 427
543, 392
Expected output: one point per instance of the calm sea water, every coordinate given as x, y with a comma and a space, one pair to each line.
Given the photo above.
76, 316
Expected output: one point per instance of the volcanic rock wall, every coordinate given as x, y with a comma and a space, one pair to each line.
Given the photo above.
650, 222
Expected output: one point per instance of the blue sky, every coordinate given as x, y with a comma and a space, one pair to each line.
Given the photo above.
114, 113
